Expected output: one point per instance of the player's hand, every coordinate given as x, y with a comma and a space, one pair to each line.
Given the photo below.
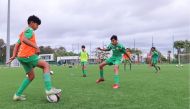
10, 60
38, 51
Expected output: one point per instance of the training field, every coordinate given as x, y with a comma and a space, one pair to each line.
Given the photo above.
140, 88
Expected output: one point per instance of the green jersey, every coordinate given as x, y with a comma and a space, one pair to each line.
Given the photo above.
117, 50
154, 55
27, 33
83, 56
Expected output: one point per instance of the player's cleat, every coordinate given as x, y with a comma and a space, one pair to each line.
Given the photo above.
53, 91
116, 86
19, 98
83, 75
100, 80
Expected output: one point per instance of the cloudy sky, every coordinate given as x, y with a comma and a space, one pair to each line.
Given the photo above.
70, 23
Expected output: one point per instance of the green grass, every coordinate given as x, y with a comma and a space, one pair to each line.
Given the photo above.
140, 88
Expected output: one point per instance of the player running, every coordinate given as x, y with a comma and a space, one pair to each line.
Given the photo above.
154, 59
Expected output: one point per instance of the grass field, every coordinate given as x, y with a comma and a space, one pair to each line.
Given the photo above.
140, 88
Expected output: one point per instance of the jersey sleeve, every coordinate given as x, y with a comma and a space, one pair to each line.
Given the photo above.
155, 53
18, 41
108, 47
123, 50
28, 33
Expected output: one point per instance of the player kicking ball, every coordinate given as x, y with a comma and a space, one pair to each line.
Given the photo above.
154, 59
27, 51
117, 49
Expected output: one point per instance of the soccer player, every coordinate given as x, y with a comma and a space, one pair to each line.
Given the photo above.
27, 51
84, 59
117, 49
126, 59
154, 59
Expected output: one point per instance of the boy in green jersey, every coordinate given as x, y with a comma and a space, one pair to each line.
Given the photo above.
117, 49
84, 59
154, 59
27, 51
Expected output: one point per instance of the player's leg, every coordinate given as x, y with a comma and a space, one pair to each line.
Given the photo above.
116, 74
130, 64
125, 62
29, 77
154, 65
47, 78
82, 65
101, 66
84, 69
157, 65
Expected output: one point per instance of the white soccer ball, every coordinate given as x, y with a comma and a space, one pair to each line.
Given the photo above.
53, 98
176, 65
181, 65
51, 73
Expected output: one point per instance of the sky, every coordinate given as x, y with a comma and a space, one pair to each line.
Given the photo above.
72, 23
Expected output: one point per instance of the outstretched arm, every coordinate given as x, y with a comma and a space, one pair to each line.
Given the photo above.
103, 49
15, 51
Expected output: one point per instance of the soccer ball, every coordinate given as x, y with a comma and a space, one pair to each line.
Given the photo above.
54, 98
51, 73
176, 65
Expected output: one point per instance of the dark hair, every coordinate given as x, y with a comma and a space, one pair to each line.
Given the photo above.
153, 48
34, 19
82, 46
113, 37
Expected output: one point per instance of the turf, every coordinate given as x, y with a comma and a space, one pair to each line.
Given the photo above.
140, 88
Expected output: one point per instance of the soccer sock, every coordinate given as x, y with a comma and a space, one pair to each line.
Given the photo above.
101, 74
23, 86
155, 68
47, 81
130, 65
116, 79
124, 67
85, 71
158, 67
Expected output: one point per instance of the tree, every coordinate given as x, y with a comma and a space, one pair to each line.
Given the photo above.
2, 43
182, 47
2, 51
179, 45
137, 52
169, 56
46, 50
61, 51
186, 46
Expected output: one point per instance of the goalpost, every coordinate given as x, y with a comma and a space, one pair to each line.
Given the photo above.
183, 59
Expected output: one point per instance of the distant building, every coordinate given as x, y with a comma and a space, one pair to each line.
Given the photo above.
47, 57
71, 60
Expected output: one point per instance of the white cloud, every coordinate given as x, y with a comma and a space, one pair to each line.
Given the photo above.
67, 22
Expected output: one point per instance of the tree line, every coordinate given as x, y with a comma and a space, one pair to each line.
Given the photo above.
180, 45
61, 51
